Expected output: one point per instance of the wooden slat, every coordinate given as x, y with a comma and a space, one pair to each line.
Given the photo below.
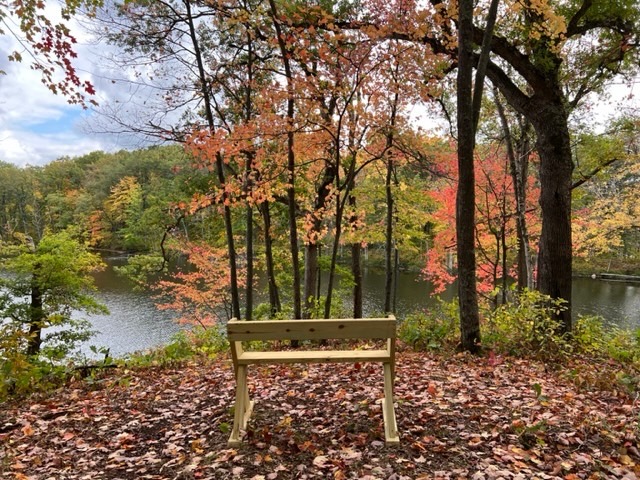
369, 328
314, 356
391, 347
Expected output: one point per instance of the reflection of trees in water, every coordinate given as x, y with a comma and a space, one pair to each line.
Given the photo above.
133, 323
617, 302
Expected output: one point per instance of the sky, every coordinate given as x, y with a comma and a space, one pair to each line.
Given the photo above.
37, 127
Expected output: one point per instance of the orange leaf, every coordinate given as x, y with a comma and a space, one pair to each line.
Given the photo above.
432, 389
27, 430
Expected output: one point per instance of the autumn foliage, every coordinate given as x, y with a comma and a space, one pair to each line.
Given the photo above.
495, 227
469, 418
199, 290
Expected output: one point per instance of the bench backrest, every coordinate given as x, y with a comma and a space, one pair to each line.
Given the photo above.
363, 328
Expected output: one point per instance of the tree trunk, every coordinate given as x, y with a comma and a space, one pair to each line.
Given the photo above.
36, 317
525, 261
396, 273
465, 199
293, 229
389, 300
519, 168
248, 182
249, 246
388, 258
291, 193
310, 278
274, 297
334, 256
356, 271
319, 270
208, 110
555, 253
356, 263
312, 248
505, 277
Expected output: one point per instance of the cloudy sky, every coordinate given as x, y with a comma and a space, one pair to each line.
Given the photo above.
37, 127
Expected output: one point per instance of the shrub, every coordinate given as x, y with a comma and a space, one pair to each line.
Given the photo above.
22, 374
185, 345
592, 337
433, 329
527, 327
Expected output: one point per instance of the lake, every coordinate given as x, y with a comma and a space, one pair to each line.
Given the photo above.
134, 323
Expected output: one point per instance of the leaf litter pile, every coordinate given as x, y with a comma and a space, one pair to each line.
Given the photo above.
458, 418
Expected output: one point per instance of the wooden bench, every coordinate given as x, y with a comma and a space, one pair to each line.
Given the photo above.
372, 328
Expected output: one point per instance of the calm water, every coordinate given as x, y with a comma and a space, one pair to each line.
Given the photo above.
135, 324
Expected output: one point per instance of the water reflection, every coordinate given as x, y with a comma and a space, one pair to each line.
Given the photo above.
412, 293
133, 322
617, 302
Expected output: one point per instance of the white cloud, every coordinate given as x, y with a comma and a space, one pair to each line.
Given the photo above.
37, 126
22, 147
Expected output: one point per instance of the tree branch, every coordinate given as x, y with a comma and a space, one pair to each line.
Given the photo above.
593, 173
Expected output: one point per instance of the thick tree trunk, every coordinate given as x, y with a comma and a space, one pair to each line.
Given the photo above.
465, 199
555, 252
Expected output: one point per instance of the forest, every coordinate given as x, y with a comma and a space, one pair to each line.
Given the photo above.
294, 150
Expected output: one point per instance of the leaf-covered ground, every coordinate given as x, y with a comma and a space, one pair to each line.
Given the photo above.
458, 418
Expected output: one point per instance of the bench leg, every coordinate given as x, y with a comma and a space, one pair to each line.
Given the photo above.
243, 406
388, 413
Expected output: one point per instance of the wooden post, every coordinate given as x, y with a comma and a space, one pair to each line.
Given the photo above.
388, 413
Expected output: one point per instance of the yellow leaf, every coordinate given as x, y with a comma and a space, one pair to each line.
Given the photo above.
196, 446
626, 460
